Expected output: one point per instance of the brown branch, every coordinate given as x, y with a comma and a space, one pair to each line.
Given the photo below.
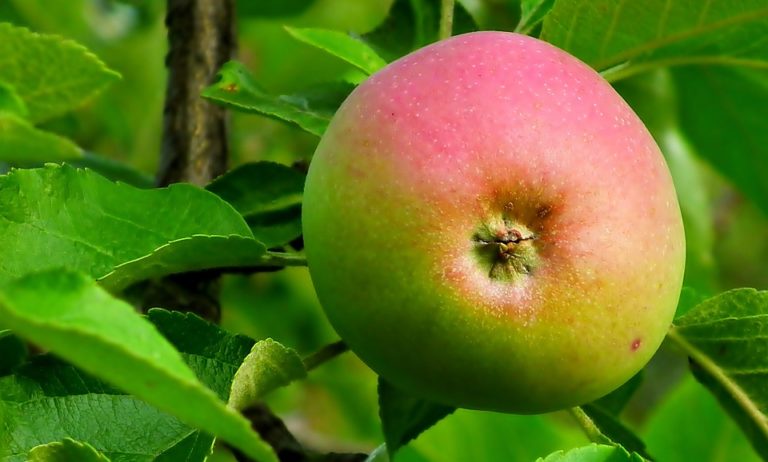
201, 38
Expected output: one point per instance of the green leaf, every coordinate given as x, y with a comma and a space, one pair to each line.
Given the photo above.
612, 430
689, 425
725, 339
268, 195
404, 417
71, 316
189, 254
593, 453
722, 110
13, 352
22, 143
67, 450
311, 110
51, 74
632, 37
532, 14
114, 170
341, 45
413, 24
10, 102
267, 367
61, 217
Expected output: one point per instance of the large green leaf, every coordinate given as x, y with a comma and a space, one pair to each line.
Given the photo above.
632, 36
67, 450
725, 339
311, 110
10, 102
71, 316
722, 110
188, 254
21, 143
52, 75
61, 217
341, 45
532, 13
268, 195
404, 417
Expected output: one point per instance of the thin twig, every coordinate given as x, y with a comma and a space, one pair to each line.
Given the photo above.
446, 18
588, 426
325, 354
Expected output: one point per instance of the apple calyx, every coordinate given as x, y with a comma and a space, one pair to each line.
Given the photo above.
506, 249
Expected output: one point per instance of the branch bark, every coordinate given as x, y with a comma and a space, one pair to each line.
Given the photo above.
201, 39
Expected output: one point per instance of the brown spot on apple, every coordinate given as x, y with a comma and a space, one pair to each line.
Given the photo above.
636, 344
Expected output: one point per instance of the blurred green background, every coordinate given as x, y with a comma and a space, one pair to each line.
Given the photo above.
336, 409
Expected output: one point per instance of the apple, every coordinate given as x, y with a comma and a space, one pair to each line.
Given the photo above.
488, 225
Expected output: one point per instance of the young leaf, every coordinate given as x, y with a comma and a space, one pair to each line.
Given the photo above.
67, 450
593, 453
632, 37
267, 367
725, 340
188, 254
404, 417
71, 316
52, 75
412, 24
22, 143
61, 217
341, 45
268, 195
532, 14
310, 110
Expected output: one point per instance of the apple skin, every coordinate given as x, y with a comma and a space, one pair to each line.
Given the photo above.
488, 225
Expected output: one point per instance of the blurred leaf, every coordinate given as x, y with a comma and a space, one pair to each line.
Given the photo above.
268, 366
723, 112
472, 435
404, 417
188, 254
532, 14
632, 37
61, 217
71, 316
413, 24
593, 453
118, 424
341, 45
689, 298
690, 426
52, 75
114, 170
311, 110
268, 195
261, 8
20, 142
67, 450
13, 352
725, 339
614, 402
10, 102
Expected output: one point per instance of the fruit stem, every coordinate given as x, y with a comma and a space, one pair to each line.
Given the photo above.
325, 354
588, 426
446, 18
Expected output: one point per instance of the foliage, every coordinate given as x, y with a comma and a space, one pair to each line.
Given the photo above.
84, 376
